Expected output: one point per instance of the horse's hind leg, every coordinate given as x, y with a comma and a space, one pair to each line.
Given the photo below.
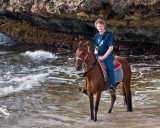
113, 98
90, 95
98, 96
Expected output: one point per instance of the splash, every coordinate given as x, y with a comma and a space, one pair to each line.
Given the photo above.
4, 112
39, 55
22, 83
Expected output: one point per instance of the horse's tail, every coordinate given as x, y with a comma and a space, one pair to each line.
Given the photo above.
127, 98
126, 85
126, 82
124, 96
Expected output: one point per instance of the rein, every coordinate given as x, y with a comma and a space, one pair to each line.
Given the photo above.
91, 67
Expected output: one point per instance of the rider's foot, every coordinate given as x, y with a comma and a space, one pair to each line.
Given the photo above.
83, 90
112, 90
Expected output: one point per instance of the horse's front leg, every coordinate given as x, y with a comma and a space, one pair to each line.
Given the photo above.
91, 100
98, 96
113, 98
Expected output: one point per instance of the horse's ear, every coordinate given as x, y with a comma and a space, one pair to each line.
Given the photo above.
88, 48
80, 45
87, 43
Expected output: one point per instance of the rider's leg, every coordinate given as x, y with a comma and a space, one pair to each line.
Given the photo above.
110, 70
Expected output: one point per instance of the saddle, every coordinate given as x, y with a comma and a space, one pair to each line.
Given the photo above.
118, 72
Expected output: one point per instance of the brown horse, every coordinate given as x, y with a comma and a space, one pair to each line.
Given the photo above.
94, 81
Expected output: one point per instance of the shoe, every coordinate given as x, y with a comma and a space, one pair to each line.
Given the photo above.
112, 90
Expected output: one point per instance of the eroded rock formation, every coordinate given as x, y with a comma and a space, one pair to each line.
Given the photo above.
87, 9
128, 20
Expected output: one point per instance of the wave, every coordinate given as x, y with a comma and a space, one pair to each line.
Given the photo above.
22, 83
26, 79
4, 112
3, 52
39, 55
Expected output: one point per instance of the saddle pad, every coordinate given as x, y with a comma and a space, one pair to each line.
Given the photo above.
103, 66
118, 75
117, 65
117, 71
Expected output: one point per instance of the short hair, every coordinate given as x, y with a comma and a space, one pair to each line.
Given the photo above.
100, 21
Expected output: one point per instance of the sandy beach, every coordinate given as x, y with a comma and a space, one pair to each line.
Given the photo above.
63, 107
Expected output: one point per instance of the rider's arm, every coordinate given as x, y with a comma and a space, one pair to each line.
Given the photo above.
106, 54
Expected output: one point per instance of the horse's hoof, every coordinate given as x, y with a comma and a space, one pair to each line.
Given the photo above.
92, 119
109, 111
95, 120
129, 110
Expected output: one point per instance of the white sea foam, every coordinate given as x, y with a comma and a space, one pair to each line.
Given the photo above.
30, 78
3, 52
62, 74
145, 68
154, 80
40, 55
4, 111
61, 80
158, 88
147, 80
23, 83
140, 64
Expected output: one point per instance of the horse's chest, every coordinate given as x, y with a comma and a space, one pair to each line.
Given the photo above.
94, 85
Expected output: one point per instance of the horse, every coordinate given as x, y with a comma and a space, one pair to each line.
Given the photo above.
94, 82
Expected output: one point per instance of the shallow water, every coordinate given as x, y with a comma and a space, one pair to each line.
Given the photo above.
39, 89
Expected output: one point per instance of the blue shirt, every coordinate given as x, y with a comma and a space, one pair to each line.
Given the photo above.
103, 42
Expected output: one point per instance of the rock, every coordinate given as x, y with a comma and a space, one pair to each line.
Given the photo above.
87, 9
130, 21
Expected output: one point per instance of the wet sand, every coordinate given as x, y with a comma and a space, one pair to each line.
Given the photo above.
66, 107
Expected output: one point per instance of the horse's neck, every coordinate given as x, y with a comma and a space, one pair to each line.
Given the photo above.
96, 72
92, 59
91, 63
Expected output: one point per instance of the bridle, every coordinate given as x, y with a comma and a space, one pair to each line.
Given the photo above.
91, 67
83, 59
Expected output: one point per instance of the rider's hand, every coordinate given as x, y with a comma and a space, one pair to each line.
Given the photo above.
96, 50
101, 58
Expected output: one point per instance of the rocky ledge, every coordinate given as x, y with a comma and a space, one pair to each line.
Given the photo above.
134, 23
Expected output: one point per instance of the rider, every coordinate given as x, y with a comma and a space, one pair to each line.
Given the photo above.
103, 42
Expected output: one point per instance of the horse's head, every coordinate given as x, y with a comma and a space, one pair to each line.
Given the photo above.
81, 55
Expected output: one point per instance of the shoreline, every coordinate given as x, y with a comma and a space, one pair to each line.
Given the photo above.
52, 106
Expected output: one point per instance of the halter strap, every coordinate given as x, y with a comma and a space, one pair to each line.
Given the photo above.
91, 67
86, 56
84, 59
77, 58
